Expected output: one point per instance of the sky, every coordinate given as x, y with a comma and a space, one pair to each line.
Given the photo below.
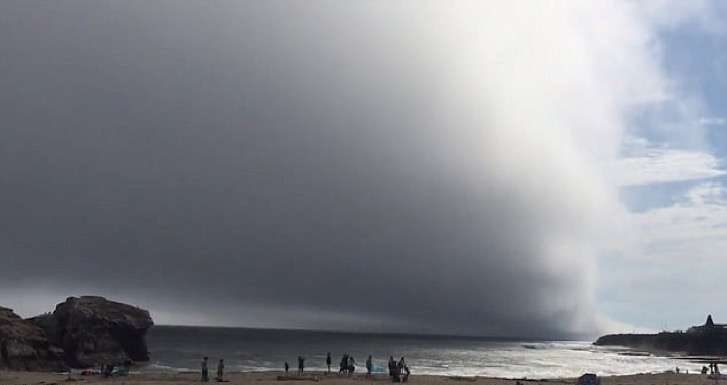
508, 168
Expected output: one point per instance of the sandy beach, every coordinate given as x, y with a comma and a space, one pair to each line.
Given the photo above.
270, 378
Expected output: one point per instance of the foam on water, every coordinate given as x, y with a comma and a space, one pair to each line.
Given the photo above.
246, 350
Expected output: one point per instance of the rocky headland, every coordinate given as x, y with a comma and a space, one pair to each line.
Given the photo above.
81, 332
24, 346
703, 340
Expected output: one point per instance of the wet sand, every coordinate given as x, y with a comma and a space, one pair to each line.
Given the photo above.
272, 378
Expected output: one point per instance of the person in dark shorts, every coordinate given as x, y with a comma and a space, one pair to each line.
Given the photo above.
205, 374
220, 370
328, 361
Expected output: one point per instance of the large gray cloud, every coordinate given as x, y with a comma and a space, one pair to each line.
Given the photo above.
400, 167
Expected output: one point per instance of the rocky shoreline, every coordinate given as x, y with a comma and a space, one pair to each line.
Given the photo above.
81, 332
709, 339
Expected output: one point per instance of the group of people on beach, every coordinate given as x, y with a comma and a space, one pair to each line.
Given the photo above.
220, 370
398, 371
301, 365
348, 364
713, 368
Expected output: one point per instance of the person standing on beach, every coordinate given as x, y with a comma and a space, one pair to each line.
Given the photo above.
106, 370
286, 367
399, 369
395, 372
369, 366
328, 362
351, 365
344, 364
392, 366
205, 375
301, 364
220, 370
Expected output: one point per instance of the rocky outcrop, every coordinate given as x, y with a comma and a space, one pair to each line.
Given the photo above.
710, 342
707, 339
94, 331
25, 346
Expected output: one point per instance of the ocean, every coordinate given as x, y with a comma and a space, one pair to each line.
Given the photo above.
180, 348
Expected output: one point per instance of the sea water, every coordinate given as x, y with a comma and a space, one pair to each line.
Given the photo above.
178, 348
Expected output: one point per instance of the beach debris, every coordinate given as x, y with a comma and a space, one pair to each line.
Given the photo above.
588, 379
299, 378
463, 378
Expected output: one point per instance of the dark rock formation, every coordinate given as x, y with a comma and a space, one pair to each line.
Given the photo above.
708, 339
24, 346
93, 331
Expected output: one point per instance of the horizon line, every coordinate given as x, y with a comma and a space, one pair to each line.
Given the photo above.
379, 333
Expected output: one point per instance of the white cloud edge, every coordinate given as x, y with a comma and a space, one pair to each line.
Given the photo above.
648, 164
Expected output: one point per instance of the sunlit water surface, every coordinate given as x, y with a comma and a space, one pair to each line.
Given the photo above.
181, 348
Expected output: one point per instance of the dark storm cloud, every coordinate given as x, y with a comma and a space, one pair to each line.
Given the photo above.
271, 155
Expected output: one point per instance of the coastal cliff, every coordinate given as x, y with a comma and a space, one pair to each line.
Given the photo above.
707, 339
25, 346
82, 332
93, 330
